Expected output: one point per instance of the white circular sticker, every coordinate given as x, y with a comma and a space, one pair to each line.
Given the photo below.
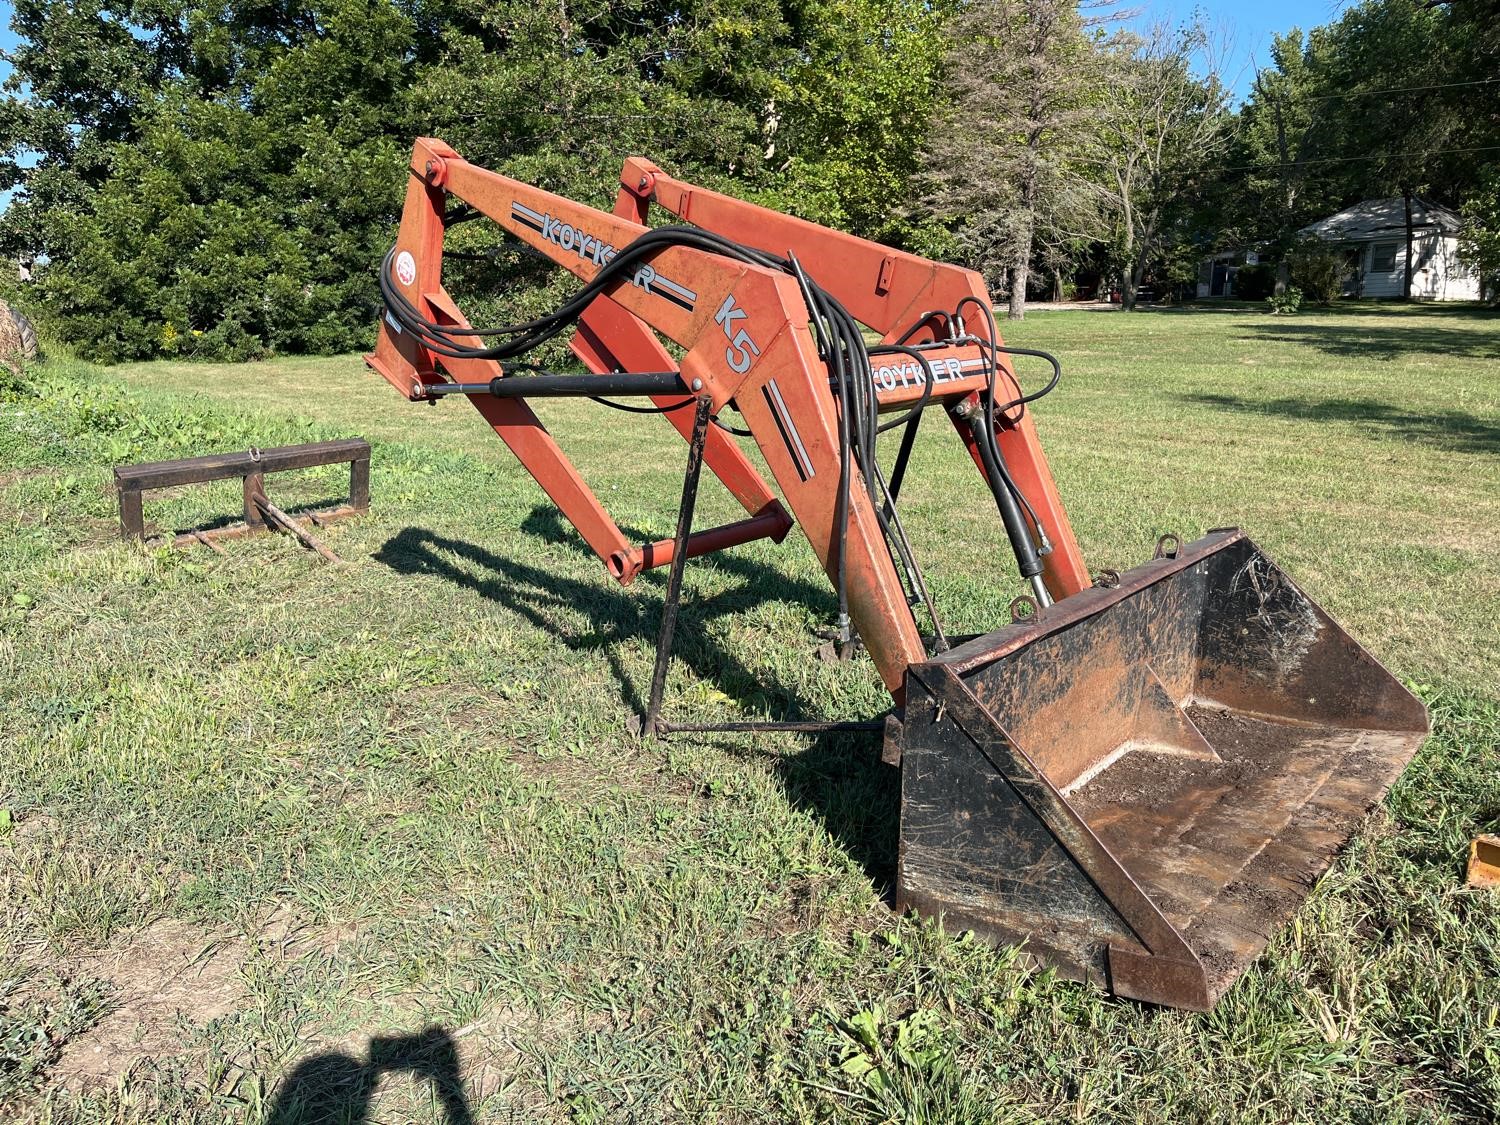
406, 268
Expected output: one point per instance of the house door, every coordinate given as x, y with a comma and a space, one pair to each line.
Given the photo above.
1354, 271
1220, 282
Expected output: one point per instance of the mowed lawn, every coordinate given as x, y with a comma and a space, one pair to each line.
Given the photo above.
289, 841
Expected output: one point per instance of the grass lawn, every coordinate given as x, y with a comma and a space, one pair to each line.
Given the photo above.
281, 840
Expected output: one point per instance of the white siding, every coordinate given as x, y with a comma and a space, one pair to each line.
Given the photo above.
1439, 275
1448, 279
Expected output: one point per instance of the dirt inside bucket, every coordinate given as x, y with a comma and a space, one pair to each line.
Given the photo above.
1184, 827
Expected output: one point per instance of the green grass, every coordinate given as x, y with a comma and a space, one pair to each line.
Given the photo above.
415, 761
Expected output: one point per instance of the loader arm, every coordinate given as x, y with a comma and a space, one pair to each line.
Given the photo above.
747, 340
892, 292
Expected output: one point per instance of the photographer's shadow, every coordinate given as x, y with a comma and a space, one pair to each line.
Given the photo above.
334, 1088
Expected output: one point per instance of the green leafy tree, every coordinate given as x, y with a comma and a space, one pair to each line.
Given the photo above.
842, 133
204, 178
1479, 242
1007, 157
223, 181
1282, 142
1396, 142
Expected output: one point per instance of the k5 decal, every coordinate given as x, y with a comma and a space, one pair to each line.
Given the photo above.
742, 350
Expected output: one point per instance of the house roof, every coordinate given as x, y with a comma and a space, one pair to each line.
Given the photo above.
1376, 217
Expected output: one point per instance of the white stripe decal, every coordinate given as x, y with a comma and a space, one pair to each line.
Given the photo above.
789, 431
522, 209
681, 290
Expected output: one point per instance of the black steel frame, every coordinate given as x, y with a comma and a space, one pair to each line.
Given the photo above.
652, 725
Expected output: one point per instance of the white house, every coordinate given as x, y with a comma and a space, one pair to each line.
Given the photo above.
1373, 236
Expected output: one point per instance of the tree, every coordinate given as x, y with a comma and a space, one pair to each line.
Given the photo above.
1479, 242
1281, 142
842, 139
1385, 52
1156, 149
215, 179
1006, 157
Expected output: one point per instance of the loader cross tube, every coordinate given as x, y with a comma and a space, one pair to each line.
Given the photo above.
642, 385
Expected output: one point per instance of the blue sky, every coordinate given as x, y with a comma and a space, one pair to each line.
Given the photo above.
7, 36
1248, 24
1245, 25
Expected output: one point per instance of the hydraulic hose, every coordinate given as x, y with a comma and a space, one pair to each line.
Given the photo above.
1011, 516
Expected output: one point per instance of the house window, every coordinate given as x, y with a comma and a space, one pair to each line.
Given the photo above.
1383, 257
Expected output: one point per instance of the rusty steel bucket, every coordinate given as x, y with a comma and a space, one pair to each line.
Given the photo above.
1142, 782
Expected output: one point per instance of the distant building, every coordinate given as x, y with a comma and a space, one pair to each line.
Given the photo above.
1217, 273
1372, 236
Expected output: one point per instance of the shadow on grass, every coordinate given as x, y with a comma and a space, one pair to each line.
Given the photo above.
1387, 342
838, 777
1417, 310
335, 1087
1454, 430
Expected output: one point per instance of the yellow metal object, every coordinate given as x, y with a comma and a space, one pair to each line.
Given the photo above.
1484, 862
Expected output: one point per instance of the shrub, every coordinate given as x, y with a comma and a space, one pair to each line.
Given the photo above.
1479, 242
1318, 271
1287, 303
1252, 283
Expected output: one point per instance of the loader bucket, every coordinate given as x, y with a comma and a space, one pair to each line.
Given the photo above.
1141, 783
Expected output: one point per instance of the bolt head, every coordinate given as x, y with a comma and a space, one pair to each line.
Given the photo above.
697, 384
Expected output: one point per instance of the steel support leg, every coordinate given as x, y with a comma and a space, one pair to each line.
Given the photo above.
649, 725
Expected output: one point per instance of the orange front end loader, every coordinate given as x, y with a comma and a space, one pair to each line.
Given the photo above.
1140, 776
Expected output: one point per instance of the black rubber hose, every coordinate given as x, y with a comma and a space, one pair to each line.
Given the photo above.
989, 412
927, 384
1011, 516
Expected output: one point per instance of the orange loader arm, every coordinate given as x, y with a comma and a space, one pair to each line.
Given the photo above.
890, 291
750, 345
746, 334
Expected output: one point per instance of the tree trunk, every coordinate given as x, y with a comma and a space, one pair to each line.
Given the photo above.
1020, 271
1144, 244
1410, 240
1283, 276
